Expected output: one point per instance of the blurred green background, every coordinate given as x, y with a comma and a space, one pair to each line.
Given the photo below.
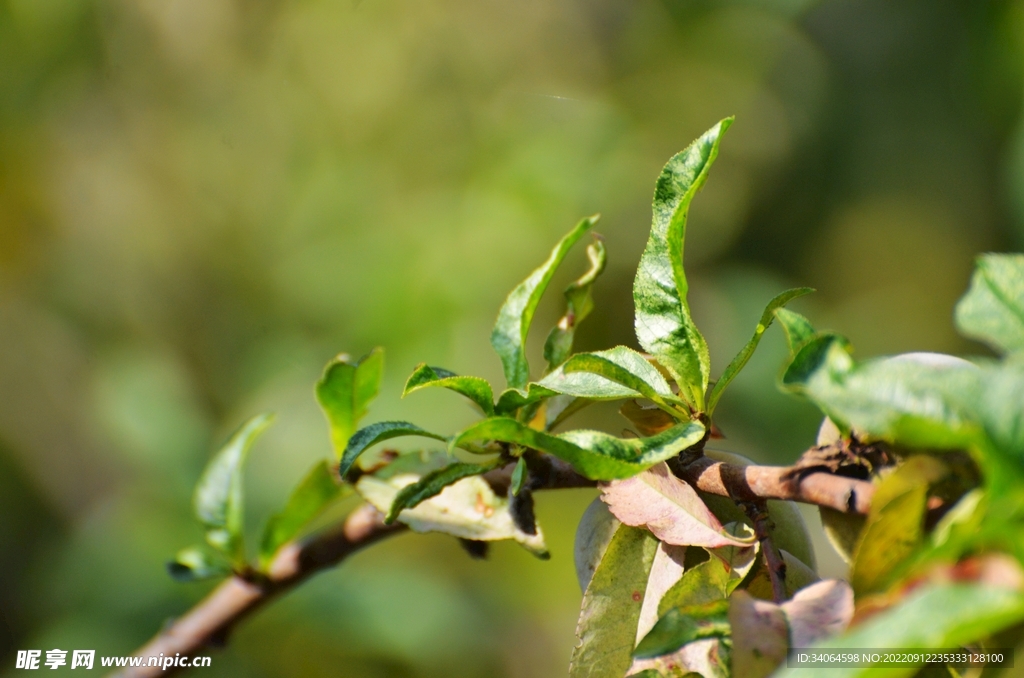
202, 201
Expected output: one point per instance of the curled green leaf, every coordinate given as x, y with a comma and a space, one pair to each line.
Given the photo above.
744, 355
217, 499
433, 483
620, 365
370, 435
316, 491
663, 323
196, 563
579, 303
798, 329
518, 476
474, 388
509, 335
345, 390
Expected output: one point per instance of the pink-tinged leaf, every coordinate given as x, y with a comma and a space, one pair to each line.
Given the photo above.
819, 611
666, 570
668, 507
760, 636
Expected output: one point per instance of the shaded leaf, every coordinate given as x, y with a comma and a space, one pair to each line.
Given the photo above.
307, 501
509, 335
798, 329
895, 526
345, 391
760, 636
943, 615
596, 528
744, 355
218, 494
432, 483
596, 455
369, 436
474, 388
703, 583
468, 509
663, 324
682, 625
666, 570
992, 311
196, 563
818, 612
579, 304
518, 476
668, 507
648, 420
606, 630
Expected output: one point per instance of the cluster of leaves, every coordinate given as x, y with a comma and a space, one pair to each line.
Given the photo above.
676, 581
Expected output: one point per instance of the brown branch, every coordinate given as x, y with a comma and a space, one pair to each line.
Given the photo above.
773, 561
212, 619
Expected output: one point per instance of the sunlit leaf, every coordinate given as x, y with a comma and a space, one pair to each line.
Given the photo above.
474, 388
666, 571
620, 365
370, 435
468, 509
509, 335
606, 631
818, 612
992, 311
682, 625
744, 355
798, 328
197, 563
316, 491
579, 304
942, 615
663, 324
596, 455
668, 507
433, 483
218, 494
344, 392
895, 525
703, 583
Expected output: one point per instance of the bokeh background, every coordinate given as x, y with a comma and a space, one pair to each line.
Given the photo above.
202, 201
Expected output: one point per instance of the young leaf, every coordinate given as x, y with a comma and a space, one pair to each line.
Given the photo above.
345, 390
606, 630
509, 335
518, 476
992, 311
798, 329
467, 509
596, 455
682, 625
895, 526
942, 615
579, 304
308, 500
474, 388
218, 495
744, 355
370, 435
663, 324
432, 483
621, 365
196, 563
668, 507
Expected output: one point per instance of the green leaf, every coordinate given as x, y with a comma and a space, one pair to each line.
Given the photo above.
606, 630
663, 324
744, 355
798, 329
370, 435
509, 335
579, 303
218, 494
992, 311
682, 625
468, 509
895, 526
596, 455
474, 388
196, 563
941, 615
518, 476
307, 501
703, 583
345, 390
620, 365
432, 483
